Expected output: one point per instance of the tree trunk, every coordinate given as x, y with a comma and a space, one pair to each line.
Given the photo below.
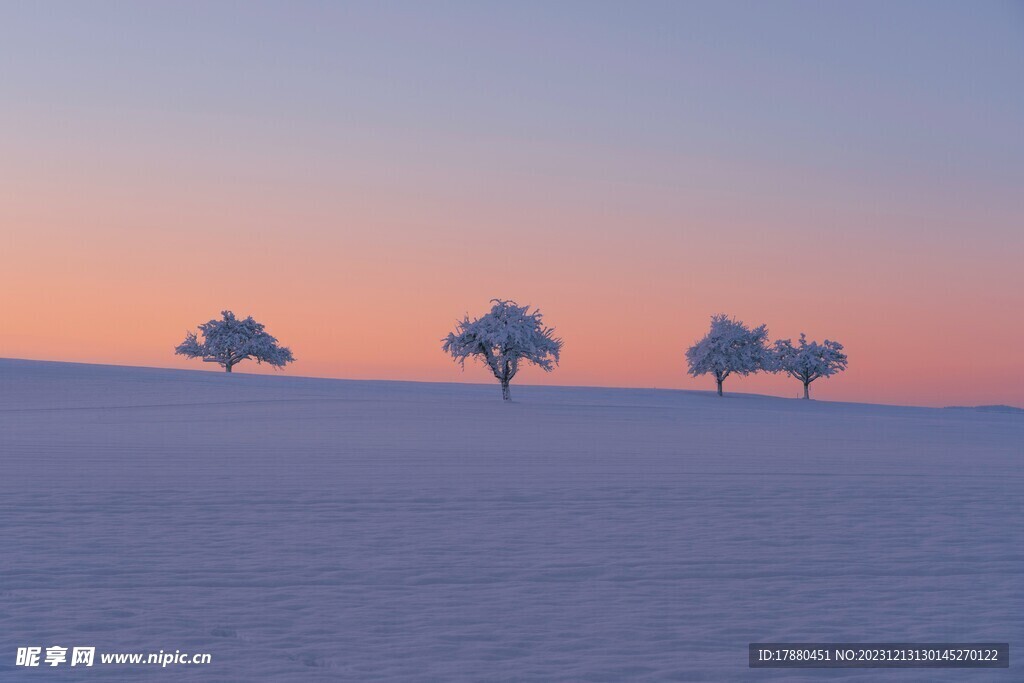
807, 391
506, 395
227, 367
719, 387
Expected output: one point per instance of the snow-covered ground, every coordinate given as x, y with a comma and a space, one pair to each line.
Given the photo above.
304, 529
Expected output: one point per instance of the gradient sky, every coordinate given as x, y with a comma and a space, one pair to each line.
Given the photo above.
359, 176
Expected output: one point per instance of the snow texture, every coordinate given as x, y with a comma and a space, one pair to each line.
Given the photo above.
320, 530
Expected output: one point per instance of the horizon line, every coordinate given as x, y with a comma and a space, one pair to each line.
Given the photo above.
488, 384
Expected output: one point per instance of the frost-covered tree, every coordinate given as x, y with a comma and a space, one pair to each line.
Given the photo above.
730, 348
229, 341
502, 339
809, 360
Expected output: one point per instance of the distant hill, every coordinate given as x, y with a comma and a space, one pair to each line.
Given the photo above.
989, 409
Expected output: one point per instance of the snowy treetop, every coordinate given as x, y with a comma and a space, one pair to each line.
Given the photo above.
729, 347
508, 334
809, 361
229, 340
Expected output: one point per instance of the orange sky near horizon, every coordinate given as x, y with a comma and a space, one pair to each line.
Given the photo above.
364, 288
